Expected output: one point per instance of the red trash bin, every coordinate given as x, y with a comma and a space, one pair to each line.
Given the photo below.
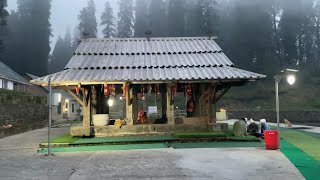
271, 139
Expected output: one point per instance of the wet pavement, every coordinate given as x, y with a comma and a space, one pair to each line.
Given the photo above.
19, 160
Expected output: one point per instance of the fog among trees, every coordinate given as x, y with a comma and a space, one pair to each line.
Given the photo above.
261, 36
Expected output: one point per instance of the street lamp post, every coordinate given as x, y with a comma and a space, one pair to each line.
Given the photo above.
289, 74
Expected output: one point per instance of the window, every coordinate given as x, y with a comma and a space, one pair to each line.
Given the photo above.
72, 107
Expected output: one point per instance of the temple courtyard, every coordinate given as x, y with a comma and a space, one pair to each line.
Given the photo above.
19, 160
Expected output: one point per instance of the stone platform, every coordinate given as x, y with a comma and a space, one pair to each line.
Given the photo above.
102, 131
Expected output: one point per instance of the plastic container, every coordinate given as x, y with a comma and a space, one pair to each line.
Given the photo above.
100, 119
271, 139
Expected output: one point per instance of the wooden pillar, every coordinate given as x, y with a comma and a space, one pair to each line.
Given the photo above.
211, 104
202, 101
86, 108
94, 103
129, 105
197, 100
163, 91
170, 105
135, 108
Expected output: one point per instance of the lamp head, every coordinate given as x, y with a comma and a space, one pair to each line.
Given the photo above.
291, 79
110, 102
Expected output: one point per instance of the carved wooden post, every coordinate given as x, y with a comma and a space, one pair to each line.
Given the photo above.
129, 105
202, 101
170, 105
135, 108
211, 106
86, 112
94, 100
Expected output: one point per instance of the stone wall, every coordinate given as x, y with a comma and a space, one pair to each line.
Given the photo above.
23, 109
296, 116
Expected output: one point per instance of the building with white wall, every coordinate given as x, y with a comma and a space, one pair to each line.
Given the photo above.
11, 80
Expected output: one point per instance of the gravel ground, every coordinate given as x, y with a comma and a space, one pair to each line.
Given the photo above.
19, 160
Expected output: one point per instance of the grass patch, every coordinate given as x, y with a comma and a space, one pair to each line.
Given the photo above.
66, 138
244, 138
215, 145
199, 134
307, 143
116, 139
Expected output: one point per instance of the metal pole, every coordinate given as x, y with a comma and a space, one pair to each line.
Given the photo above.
277, 79
49, 125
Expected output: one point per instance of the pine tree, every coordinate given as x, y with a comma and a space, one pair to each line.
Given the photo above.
88, 22
316, 10
126, 19
158, 18
141, 24
29, 34
202, 18
3, 27
75, 40
61, 54
107, 20
289, 27
176, 18
251, 40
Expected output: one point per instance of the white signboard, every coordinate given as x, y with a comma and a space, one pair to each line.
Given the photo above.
152, 110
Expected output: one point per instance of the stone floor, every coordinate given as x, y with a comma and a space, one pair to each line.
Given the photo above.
19, 160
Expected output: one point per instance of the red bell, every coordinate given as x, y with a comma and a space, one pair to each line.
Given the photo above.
77, 90
106, 90
124, 90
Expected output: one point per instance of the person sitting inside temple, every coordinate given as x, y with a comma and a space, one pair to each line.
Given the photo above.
141, 116
190, 107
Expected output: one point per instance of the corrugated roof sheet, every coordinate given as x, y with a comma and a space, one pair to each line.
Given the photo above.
74, 76
152, 60
142, 45
159, 59
7, 73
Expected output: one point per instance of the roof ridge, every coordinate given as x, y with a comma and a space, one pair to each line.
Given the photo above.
156, 38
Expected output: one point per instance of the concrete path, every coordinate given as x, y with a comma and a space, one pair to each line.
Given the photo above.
313, 129
19, 160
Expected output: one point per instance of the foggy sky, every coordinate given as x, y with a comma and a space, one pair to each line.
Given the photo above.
65, 13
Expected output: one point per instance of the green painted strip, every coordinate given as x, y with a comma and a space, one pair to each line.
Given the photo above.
115, 139
104, 148
216, 145
308, 166
307, 143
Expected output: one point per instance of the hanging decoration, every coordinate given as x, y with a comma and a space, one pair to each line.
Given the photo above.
149, 88
113, 90
189, 90
78, 88
106, 90
175, 89
157, 90
124, 91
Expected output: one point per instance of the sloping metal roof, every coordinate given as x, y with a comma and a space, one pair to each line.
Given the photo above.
137, 59
74, 76
9, 74
152, 60
134, 46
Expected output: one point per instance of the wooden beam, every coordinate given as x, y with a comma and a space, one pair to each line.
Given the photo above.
60, 84
75, 97
221, 94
